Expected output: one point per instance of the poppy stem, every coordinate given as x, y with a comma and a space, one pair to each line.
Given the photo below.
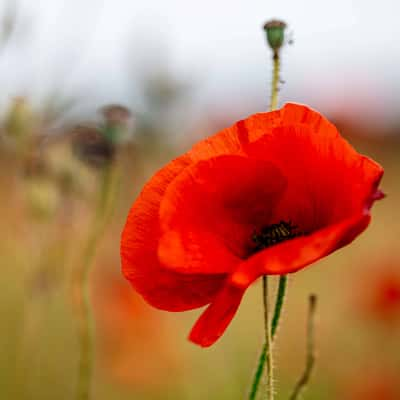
274, 326
268, 331
310, 361
268, 341
275, 34
86, 352
275, 80
280, 297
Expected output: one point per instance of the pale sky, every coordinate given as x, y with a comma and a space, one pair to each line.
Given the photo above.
344, 52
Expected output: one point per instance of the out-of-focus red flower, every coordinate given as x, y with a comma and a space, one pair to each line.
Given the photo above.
380, 298
268, 196
374, 385
130, 347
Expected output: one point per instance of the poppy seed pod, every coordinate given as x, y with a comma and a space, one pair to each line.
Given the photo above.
117, 122
275, 31
115, 114
91, 147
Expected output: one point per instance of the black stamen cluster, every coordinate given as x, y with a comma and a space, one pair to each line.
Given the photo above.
274, 234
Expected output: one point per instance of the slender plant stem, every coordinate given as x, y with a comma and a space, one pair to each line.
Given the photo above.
310, 361
275, 81
280, 297
86, 352
266, 356
257, 376
268, 342
274, 325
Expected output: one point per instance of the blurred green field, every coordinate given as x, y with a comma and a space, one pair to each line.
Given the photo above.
142, 353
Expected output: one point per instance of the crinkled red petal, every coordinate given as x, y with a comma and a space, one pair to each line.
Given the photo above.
211, 210
160, 286
284, 258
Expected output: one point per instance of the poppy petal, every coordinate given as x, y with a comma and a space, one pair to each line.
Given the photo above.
160, 287
217, 316
283, 258
292, 255
195, 252
233, 140
210, 215
327, 179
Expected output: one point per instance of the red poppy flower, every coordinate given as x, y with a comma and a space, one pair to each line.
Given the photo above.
129, 348
371, 384
268, 196
380, 297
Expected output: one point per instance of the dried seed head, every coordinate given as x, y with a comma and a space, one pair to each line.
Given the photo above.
275, 31
117, 123
91, 147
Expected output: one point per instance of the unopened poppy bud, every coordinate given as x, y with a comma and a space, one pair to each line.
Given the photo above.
275, 31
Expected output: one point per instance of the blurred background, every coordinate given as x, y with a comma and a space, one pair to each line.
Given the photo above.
95, 97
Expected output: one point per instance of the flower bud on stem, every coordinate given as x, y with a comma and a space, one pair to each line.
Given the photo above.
275, 32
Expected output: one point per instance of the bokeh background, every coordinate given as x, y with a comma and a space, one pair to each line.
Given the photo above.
183, 70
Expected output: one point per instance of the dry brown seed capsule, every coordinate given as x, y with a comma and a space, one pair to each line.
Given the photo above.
90, 146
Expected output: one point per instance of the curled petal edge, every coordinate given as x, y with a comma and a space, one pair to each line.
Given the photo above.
284, 258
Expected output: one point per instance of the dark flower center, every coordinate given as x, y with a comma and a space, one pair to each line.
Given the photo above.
274, 234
